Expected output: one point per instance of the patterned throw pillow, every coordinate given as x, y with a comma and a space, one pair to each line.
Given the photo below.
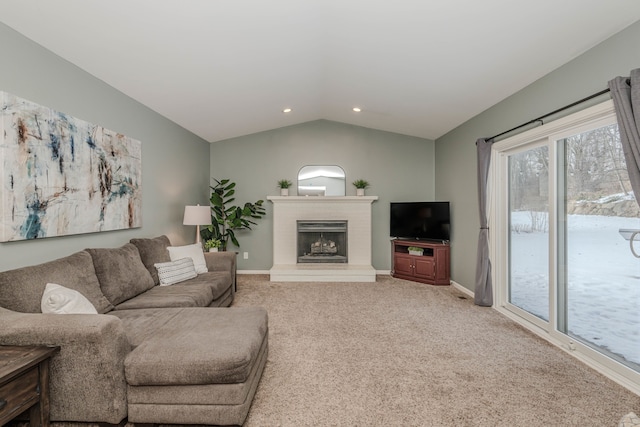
175, 271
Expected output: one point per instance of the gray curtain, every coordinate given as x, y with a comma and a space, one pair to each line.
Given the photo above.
626, 99
483, 293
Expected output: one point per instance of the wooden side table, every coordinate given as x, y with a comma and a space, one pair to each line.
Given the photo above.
24, 383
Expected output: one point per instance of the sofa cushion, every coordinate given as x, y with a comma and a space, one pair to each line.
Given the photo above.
218, 281
153, 251
139, 325
208, 404
178, 295
57, 299
121, 273
21, 289
208, 345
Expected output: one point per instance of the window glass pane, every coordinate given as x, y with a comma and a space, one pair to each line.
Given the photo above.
529, 231
600, 283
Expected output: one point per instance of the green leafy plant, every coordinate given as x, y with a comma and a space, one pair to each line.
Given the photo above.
212, 243
361, 183
284, 183
226, 218
415, 249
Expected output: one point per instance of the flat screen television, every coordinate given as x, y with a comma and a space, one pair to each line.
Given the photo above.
420, 220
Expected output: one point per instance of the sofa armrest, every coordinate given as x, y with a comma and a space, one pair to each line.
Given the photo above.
222, 261
87, 380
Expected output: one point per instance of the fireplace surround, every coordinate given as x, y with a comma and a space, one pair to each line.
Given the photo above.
355, 211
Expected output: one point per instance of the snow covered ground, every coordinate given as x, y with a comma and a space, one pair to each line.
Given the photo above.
603, 275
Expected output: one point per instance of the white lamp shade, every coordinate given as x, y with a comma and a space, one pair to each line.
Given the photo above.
197, 215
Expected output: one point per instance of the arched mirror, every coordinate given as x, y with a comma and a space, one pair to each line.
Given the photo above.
321, 181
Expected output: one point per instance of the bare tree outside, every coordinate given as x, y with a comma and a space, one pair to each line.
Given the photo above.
529, 188
597, 180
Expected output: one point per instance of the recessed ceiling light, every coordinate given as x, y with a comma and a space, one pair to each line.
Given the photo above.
287, 110
356, 109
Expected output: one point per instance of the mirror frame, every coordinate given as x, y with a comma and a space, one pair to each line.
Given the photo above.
322, 180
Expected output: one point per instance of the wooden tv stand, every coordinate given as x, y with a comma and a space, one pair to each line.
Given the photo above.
432, 267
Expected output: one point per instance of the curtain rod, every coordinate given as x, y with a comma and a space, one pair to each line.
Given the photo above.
541, 118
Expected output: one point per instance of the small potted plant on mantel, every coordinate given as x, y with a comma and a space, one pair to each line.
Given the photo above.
360, 185
284, 185
212, 245
414, 250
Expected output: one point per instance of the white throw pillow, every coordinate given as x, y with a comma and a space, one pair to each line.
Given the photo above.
57, 299
190, 251
177, 271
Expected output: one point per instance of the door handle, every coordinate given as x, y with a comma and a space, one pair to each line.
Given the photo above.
631, 244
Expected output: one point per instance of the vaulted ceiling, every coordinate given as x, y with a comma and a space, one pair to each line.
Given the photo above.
223, 69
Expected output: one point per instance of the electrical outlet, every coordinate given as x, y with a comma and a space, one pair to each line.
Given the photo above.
245, 255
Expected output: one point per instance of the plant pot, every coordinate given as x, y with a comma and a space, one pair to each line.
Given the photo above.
359, 191
418, 253
213, 249
284, 191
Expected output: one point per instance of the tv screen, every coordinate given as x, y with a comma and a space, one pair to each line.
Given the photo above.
419, 220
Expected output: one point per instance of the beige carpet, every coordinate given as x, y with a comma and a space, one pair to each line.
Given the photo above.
399, 353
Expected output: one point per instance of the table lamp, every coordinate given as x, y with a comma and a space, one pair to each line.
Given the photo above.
197, 215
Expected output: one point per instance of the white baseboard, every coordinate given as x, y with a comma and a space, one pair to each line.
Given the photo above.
462, 289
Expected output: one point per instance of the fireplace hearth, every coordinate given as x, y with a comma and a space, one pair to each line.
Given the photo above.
322, 241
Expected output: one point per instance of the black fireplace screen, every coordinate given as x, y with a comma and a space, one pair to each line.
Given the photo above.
322, 241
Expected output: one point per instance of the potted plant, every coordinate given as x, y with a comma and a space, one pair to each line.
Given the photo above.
212, 245
284, 185
414, 250
227, 218
360, 185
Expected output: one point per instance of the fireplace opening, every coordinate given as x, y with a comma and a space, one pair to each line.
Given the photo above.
322, 241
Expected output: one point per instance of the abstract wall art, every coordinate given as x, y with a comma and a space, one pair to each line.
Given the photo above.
60, 175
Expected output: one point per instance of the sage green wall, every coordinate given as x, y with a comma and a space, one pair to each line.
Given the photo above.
456, 155
399, 168
175, 163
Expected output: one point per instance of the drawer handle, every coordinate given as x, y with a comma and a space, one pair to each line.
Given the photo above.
3, 403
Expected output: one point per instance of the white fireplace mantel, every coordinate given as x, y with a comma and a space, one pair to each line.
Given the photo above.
356, 210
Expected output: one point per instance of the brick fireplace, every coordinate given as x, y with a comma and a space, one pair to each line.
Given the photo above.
355, 215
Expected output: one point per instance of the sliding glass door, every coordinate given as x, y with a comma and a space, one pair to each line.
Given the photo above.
563, 214
600, 276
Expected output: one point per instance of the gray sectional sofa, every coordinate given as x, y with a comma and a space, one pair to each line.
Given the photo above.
153, 354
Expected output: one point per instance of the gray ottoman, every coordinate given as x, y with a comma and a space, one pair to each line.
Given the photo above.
203, 367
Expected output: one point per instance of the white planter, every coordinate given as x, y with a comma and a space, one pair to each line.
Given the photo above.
359, 191
419, 253
284, 191
213, 249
